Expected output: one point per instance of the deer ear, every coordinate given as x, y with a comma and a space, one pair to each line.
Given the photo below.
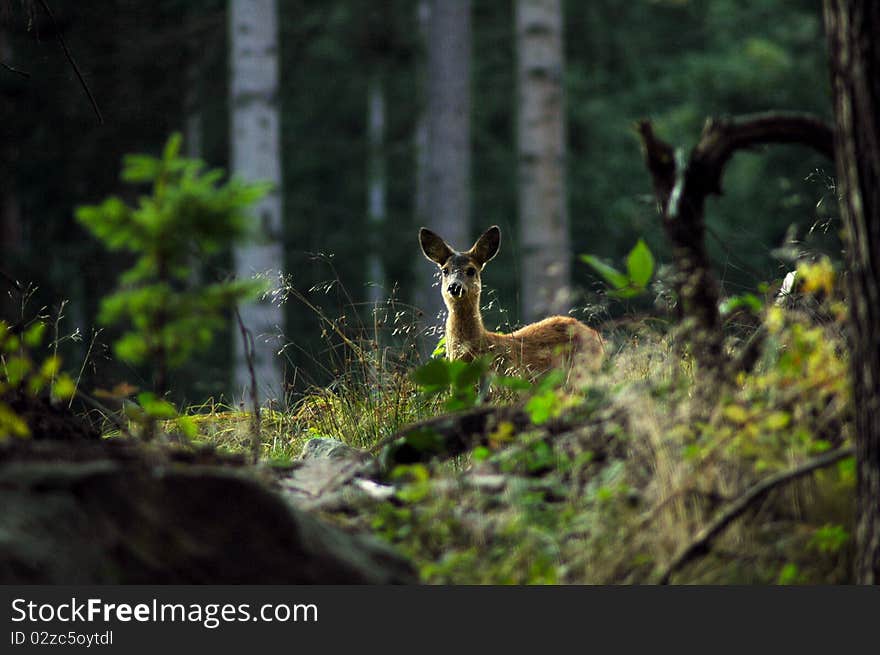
433, 247
487, 245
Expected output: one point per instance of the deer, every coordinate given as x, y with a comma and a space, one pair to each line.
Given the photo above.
554, 342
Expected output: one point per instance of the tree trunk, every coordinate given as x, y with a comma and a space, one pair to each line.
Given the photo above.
11, 240
853, 29
253, 26
376, 186
543, 214
447, 148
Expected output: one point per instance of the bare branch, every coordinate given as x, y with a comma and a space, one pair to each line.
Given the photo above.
681, 189
699, 546
71, 61
12, 69
721, 138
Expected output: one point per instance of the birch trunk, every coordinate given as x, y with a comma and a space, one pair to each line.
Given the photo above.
543, 214
376, 187
447, 137
253, 27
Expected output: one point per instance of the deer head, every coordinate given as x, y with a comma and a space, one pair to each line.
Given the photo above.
460, 271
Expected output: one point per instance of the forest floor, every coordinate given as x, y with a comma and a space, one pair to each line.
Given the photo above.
642, 473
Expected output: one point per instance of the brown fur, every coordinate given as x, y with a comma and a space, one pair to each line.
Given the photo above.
555, 342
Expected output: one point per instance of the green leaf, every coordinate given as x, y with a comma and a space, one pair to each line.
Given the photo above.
830, 538
790, 574
172, 147
16, 369
542, 407
63, 388
513, 383
156, 407
11, 423
471, 373
480, 453
611, 275
139, 169
33, 336
777, 420
188, 426
436, 373
640, 265
746, 301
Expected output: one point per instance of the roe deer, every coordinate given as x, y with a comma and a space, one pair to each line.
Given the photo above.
557, 341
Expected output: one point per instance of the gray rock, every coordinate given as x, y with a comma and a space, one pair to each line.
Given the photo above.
127, 520
326, 448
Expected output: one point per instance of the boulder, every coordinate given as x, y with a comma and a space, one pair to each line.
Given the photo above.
117, 516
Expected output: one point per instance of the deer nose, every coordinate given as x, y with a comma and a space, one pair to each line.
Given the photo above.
454, 289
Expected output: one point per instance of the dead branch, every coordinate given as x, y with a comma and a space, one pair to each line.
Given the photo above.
681, 188
699, 545
247, 339
69, 56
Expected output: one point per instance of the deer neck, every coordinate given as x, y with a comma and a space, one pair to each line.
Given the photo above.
464, 330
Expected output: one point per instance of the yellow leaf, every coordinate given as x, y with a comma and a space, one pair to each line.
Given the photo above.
736, 413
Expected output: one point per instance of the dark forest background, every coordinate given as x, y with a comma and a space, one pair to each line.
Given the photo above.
149, 65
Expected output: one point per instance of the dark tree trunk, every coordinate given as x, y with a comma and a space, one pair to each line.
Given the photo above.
681, 190
853, 29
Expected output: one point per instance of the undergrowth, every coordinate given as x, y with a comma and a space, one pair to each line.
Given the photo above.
653, 454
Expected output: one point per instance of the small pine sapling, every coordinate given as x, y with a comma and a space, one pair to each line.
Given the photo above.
190, 213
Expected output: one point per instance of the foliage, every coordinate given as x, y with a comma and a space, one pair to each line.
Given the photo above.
20, 372
189, 214
639, 270
459, 378
648, 464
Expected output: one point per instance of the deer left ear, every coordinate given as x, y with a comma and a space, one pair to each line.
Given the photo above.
434, 247
487, 245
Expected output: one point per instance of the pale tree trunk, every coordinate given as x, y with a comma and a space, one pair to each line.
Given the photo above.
447, 143
256, 155
192, 127
376, 186
853, 29
543, 214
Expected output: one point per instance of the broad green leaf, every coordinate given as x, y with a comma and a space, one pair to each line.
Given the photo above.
471, 373
611, 275
433, 374
640, 265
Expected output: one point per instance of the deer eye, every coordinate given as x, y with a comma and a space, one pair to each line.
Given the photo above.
445, 271
471, 271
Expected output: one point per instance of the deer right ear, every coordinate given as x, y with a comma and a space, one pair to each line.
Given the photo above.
433, 247
487, 245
